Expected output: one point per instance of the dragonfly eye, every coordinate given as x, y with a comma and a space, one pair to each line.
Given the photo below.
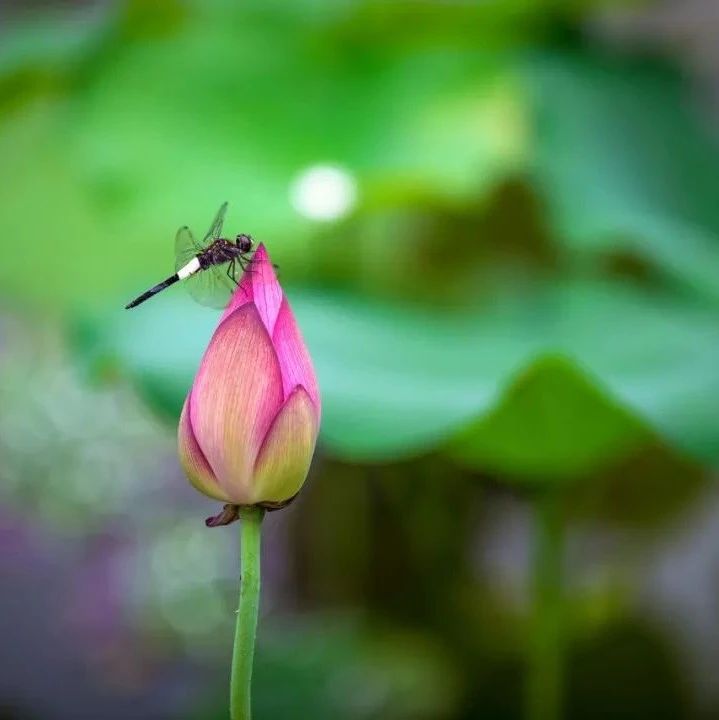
244, 243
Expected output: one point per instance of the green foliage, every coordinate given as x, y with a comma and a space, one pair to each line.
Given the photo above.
148, 129
335, 667
398, 382
154, 113
626, 165
526, 287
551, 423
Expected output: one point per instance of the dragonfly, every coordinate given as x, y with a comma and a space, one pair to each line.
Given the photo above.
209, 268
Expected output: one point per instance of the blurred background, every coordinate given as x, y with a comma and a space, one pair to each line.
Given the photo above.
498, 225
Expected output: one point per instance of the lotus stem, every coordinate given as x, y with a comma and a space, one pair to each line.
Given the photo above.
546, 644
246, 628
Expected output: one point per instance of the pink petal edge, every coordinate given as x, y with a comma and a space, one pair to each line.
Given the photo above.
192, 459
259, 284
295, 362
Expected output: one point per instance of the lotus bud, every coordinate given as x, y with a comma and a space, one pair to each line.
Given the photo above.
249, 424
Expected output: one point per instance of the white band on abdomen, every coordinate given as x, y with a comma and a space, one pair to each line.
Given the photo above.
192, 267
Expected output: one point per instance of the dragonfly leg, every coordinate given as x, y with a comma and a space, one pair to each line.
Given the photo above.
245, 264
231, 272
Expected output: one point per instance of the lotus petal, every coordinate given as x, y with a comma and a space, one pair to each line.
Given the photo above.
285, 457
259, 285
235, 398
295, 361
193, 460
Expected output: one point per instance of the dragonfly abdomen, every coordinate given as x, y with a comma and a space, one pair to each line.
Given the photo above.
184, 272
153, 291
192, 267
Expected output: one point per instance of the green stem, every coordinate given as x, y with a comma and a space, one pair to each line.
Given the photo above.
246, 628
544, 682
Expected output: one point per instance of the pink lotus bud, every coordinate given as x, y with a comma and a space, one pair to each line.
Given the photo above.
250, 422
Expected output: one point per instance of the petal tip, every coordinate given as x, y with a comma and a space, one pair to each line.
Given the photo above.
266, 292
261, 254
258, 276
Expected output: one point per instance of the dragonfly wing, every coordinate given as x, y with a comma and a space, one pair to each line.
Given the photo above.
186, 247
216, 228
211, 287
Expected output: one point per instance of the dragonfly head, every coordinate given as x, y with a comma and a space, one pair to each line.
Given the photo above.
244, 243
